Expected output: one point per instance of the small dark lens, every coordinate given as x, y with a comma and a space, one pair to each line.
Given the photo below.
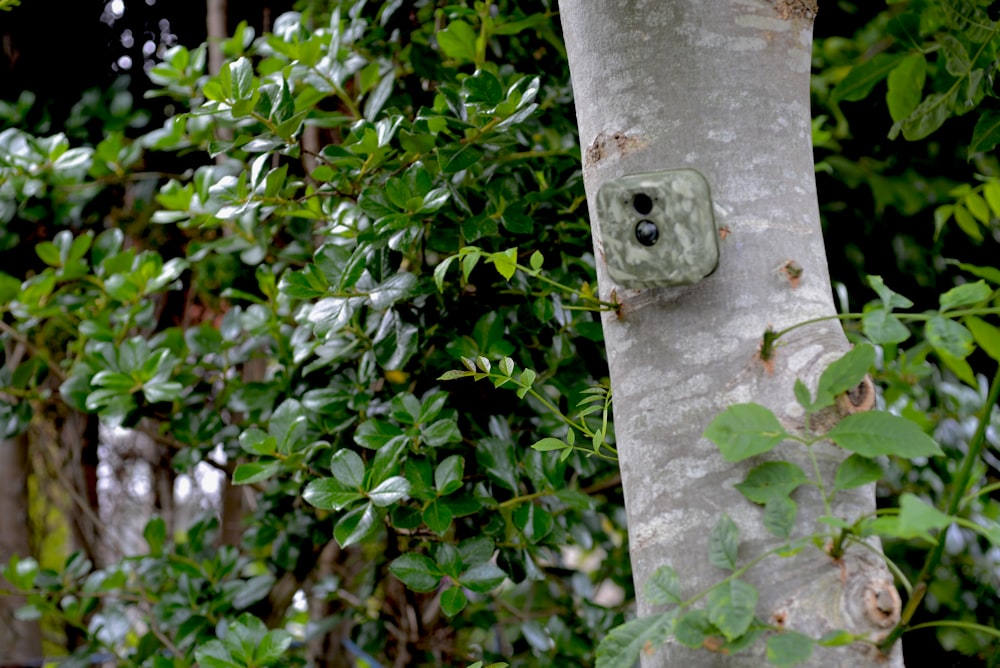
646, 232
642, 203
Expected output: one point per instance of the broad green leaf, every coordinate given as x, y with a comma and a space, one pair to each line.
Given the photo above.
536, 261
956, 56
693, 628
288, 425
950, 337
724, 544
890, 299
483, 578
548, 444
804, 397
155, 534
905, 86
986, 335
455, 374
966, 294
745, 430
448, 474
253, 590
458, 41
441, 269
440, 432
623, 645
862, 78
967, 222
991, 193
453, 601
533, 521
505, 262
213, 654
779, 516
355, 526
986, 134
329, 494
991, 274
348, 468
958, 366
856, 471
273, 646
731, 607
978, 207
253, 472
836, 639
416, 571
917, 518
390, 491
438, 516
883, 327
9, 287
929, 115
478, 550
848, 371
663, 587
770, 480
241, 73
484, 88
456, 159
789, 648
375, 434
879, 433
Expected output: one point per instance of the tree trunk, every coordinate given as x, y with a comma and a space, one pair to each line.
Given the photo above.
20, 641
721, 87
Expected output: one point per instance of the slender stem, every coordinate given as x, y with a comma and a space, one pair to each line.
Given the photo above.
912, 317
972, 626
890, 564
959, 485
517, 500
590, 298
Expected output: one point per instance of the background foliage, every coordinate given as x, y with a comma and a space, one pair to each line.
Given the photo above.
262, 269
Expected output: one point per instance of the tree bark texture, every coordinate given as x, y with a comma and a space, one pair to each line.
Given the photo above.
722, 87
20, 641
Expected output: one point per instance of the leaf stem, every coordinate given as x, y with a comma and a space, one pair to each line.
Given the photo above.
960, 484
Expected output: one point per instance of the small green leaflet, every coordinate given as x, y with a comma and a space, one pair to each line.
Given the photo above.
917, 518
847, 372
879, 433
856, 471
771, 480
723, 544
745, 430
663, 586
788, 649
862, 78
623, 646
731, 607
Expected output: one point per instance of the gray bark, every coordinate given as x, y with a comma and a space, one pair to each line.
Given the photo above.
20, 641
720, 86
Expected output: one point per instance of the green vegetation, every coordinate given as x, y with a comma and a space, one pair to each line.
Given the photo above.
300, 276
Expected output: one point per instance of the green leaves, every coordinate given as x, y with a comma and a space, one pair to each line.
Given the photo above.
247, 642
862, 78
467, 567
458, 41
745, 430
723, 544
622, 647
877, 433
841, 376
731, 606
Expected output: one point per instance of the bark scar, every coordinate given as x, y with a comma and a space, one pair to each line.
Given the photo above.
605, 145
802, 9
